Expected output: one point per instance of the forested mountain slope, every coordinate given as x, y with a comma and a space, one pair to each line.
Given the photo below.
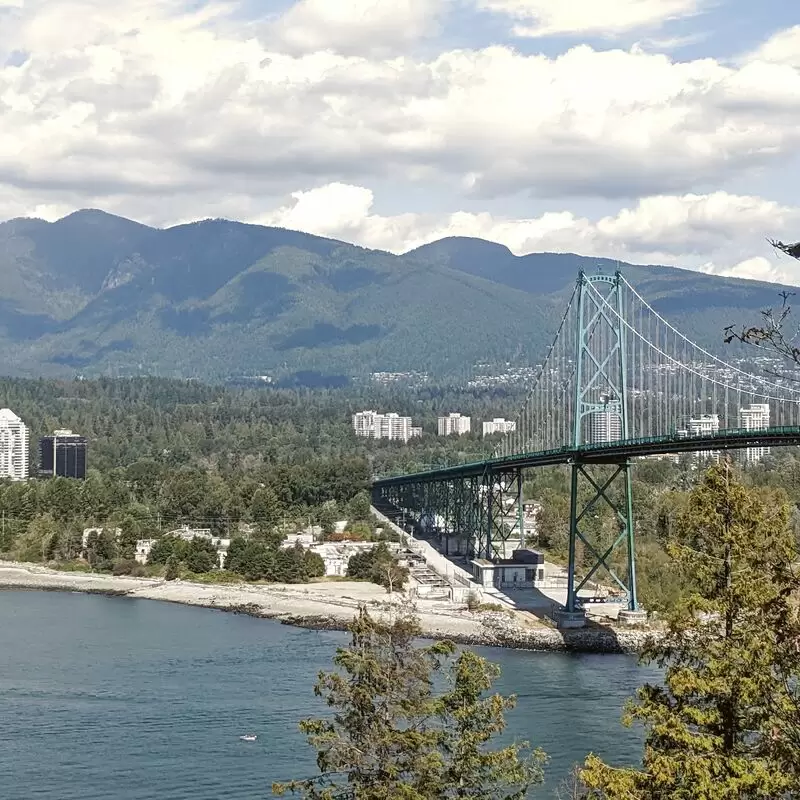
97, 294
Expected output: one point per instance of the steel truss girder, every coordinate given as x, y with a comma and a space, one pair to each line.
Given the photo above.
623, 512
504, 521
478, 516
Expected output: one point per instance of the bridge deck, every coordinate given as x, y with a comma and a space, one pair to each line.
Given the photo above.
608, 453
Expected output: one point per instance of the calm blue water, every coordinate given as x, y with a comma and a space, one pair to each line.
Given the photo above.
116, 699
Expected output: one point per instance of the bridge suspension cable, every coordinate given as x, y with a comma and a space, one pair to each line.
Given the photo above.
617, 369
542, 422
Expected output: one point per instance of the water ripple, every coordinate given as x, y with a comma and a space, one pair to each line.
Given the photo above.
111, 699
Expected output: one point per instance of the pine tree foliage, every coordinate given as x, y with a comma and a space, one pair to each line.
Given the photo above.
721, 726
392, 736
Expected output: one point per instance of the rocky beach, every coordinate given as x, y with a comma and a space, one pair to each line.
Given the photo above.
331, 605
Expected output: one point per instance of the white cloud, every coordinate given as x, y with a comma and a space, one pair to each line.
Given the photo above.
164, 110
537, 18
781, 48
710, 233
760, 269
356, 27
141, 103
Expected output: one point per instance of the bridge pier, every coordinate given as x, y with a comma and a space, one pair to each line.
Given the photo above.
503, 530
588, 488
627, 617
567, 620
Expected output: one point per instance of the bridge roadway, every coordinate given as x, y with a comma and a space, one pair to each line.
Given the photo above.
607, 453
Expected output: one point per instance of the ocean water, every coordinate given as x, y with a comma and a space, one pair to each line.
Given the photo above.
115, 699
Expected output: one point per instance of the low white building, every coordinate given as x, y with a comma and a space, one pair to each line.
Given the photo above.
222, 545
143, 548
531, 513
336, 555
187, 533
524, 570
293, 539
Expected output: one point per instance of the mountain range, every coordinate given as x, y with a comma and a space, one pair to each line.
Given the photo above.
94, 294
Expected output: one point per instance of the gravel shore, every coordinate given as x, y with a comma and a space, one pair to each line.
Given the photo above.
330, 606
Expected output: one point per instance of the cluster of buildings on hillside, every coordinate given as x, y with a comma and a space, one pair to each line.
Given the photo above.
412, 378
603, 426
374, 425
62, 454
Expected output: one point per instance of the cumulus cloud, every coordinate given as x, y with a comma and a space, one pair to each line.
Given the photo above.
781, 48
356, 27
537, 18
169, 110
710, 233
147, 98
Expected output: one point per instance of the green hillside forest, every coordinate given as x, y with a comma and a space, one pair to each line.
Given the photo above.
95, 294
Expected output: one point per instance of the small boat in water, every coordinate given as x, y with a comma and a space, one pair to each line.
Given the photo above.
249, 737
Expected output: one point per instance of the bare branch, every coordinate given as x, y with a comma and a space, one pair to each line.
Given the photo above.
792, 250
772, 333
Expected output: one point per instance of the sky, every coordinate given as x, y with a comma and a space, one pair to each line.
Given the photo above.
650, 131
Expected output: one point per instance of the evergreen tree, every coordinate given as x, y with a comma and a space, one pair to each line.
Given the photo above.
172, 570
379, 566
163, 549
392, 737
201, 556
265, 509
717, 729
359, 507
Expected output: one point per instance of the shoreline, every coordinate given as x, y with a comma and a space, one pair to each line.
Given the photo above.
331, 606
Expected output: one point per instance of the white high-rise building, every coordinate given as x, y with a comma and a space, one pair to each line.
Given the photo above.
364, 423
14, 446
754, 418
384, 426
454, 423
604, 426
499, 425
704, 425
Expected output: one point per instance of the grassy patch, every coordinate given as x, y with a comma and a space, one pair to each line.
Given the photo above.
70, 566
218, 577
491, 607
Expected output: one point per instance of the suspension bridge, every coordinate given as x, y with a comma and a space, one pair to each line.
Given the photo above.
618, 382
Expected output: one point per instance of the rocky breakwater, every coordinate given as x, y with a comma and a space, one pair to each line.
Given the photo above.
501, 629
